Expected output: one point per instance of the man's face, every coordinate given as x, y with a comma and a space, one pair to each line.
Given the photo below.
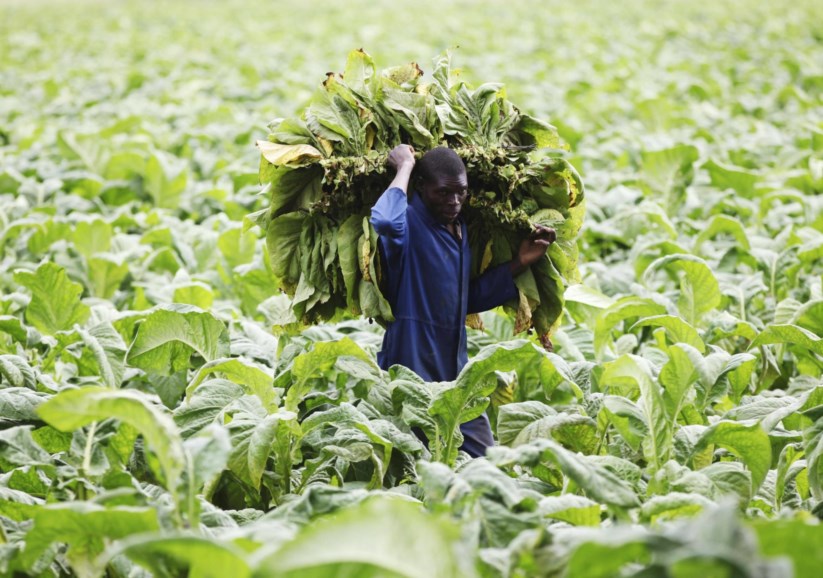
444, 196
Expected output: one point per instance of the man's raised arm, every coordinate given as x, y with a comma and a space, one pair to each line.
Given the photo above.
388, 216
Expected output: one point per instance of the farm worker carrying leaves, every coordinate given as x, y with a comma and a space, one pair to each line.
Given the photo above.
425, 248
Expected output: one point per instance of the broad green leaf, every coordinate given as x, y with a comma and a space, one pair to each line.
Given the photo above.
600, 556
677, 329
669, 171
790, 334
92, 236
587, 296
206, 405
106, 275
672, 506
371, 540
627, 418
520, 423
165, 180
813, 446
86, 529
699, 290
55, 302
728, 177
14, 327
253, 378
75, 408
16, 371
598, 482
513, 418
575, 510
195, 293
723, 224
18, 448
795, 539
209, 453
253, 434
677, 376
319, 363
201, 557
747, 441
170, 334
288, 154
107, 352
625, 308
20, 404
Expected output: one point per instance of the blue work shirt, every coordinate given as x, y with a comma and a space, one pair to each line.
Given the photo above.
428, 288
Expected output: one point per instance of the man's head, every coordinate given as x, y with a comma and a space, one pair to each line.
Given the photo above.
442, 183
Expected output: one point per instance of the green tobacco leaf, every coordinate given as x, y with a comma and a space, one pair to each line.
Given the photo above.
107, 352
253, 434
627, 418
601, 556
795, 539
813, 446
14, 327
699, 289
198, 556
86, 528
209, 453
747, 441
206, 405
514, 418
631, 376
348, 237
93, 236
288, 154
253, 378
727, 177
598, 482
165, 180
575, 510
371, 540
20, 404
676, 328
792, 334
518, 355
106, 275
73, 409
55, 302
18, 447
520, 423
318, 363
673, 505
170, 334
17, 371
625, 308
677, 376
669, 171
723, 224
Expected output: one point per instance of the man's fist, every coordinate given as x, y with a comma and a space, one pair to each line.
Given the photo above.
533, 248
400, 156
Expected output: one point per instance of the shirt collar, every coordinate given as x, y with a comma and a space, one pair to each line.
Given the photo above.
420, 206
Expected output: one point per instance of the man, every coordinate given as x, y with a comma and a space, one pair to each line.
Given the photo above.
426, 252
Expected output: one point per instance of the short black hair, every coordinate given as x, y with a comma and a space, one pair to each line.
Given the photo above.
439, 161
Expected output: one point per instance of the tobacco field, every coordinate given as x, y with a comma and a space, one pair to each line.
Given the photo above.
164, 413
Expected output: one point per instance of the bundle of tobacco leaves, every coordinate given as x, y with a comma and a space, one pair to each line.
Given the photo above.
325, 170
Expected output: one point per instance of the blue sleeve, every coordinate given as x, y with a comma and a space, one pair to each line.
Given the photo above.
388, 215
492, 288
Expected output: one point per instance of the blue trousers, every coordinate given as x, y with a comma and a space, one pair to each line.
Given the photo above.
477, 436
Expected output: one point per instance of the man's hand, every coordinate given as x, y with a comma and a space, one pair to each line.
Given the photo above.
533, 248
401, 159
